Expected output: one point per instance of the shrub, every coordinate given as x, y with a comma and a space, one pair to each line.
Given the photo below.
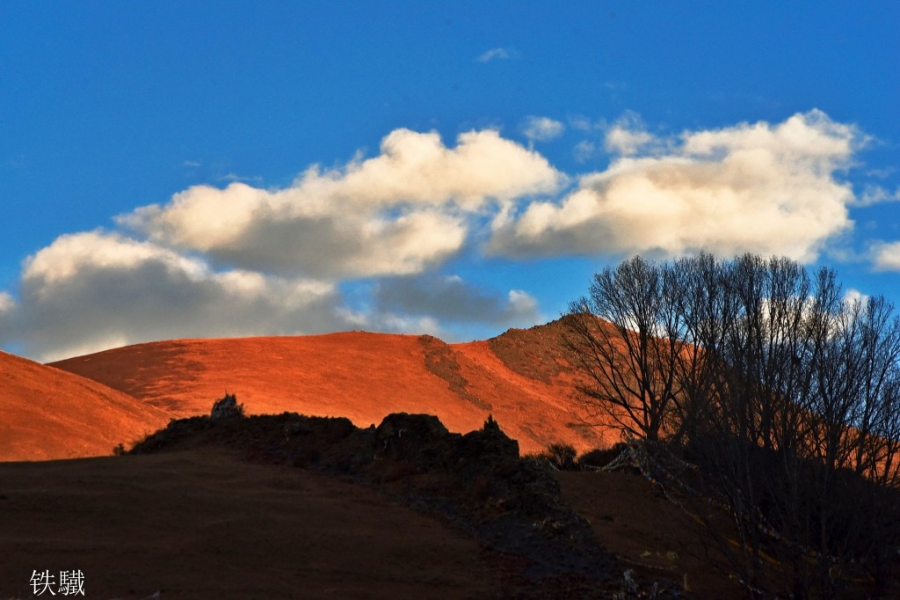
561, 456
227, 408
491, 424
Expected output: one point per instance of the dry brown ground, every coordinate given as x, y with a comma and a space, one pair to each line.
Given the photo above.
648, 532
48, 413
522, 378
203, 524
206, 524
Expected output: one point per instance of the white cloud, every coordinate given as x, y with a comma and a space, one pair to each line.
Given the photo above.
760, 188
67, 256
240, 178
522, 307
7, 303
876, 194
852, 296
245, 260
886, 256
398, 213
542, 129
881, 173
627, 135
583, 151
626, 141
89, 291
496, 54
250, 261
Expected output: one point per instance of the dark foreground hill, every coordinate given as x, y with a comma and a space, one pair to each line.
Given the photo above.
287, 506
474, 483
204, 524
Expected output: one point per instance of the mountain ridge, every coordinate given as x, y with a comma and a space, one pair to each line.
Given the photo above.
522, 377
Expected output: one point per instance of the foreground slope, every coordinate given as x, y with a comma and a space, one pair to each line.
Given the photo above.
204, 524
522, 378
210, 508
48, 413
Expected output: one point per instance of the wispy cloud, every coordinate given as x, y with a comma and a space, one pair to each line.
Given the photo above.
541, 129
241, 178
497, 54
581, 123
583, 151
876, 194
881, 173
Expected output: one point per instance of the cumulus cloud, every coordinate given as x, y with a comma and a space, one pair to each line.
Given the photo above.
397, 213
246, 260
852, 296
886, 256
763, 188
90, 291
542, 129
450, 298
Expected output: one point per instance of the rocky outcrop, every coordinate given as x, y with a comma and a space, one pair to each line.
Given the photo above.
477, 482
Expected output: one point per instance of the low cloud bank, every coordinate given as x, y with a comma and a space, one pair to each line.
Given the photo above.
244, 260
399, 213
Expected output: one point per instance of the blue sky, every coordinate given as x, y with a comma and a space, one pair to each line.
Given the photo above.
191, 169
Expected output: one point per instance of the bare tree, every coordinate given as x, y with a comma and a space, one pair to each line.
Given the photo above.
770, 379
626, 337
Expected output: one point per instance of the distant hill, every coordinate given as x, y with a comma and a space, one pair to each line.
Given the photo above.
522, 377
47, 413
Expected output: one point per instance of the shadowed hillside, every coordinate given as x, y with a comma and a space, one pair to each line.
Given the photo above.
287, 506
203, 524
522, 377
49, 413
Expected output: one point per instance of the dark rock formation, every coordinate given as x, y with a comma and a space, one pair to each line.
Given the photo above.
476, 482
